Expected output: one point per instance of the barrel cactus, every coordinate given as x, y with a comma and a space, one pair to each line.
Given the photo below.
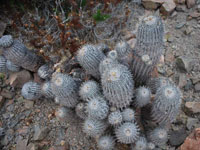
106, 143
2, 64
12, 67
143, 96
128, 115
140, 144
45, 71
6, 41
115, 118
47, 90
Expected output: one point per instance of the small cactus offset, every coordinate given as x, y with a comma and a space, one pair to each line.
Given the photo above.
12, 67
106, 143
155, 83
47, 90
94, 127
128, 115
115, 118
166, 104
81, 110
97, 108
2, 64
113, 55
143, 96
89, 57
89, 90
6, 41
63, 112
140, 144
65, 89
158, 136
45, 71
31, 90
127, 133
118, 86
123, 49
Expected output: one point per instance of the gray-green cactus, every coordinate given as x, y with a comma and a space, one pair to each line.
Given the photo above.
106, 143
6, 41
12, 67
143, 96
2, 64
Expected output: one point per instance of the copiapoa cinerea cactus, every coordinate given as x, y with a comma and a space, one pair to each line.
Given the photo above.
118, 86
127, 133
31, 90
155, 83
81, 110
142, 96
97, 108
112, 54
89, 57
115, 118
158, 136
89, 90
47, 90
20, 55
6, 41
93, 127
106, 142
65, 89
12, 67
106, 64
128, 115
45, 71
140, 144
63, 112
149, 47
2, 64
166, 104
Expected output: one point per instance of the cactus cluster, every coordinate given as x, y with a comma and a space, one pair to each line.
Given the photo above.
111, 98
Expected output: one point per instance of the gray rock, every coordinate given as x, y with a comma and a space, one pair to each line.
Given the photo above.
177, 137
7, 94
197, 87
198, 8
40, 132
188, 85
32, 146
29, 104
180, 25
21, 145
183, 64
2, 131
182, 80
180, 8
192, 122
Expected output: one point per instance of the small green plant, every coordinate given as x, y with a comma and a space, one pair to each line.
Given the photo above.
100, 17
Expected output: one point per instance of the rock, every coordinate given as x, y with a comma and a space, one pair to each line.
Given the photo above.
174, 14
188, 30
198, 8
152, 4
177, 137
182, 80
188, 85
40, 132
21, 145
28, 104
32, 146
180, 25
179, 1
2, 28
7, 94
192, 122
194, 14
193, 107
2, 132
59, 148
19, 78
190, 3
37, 78
192, 142
181, 8
2, 100
197, 87
195, 80
169, 56
183, 64
167, 7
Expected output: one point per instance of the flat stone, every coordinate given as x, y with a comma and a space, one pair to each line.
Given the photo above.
7, 94
181, 8
192, 142
152, 4
190, 3
193, 107
167, 7
40, 132
21, 145
192, 122
179, 1
29, 104
197, 87
19, 78
32, 146
182, 80
177, 137
194, 14
183, 64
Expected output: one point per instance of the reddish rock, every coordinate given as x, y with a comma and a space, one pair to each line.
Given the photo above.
152, 4
19, 78
192, 142
167, 7
190, 3
2, 100
193, 107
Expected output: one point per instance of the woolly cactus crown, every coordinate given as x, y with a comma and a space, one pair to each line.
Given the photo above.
115, 118
47, 90
122, 48
112, 54
6, 41
106, 143
107, 63
140, 144
128, 115
143, 96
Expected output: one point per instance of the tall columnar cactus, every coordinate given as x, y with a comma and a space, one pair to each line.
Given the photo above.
89, 90
128, 115
47, 90
143, 96
2, 64
45, 71
31, 90
148, 48
16, 52
140, 144
127, 133
89, 57
106, 64
106, 143
65, 89
115, 118
158, 136
12, 67
155, 83
94, 128
81, 110
166, 104
118, 86
97, 108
